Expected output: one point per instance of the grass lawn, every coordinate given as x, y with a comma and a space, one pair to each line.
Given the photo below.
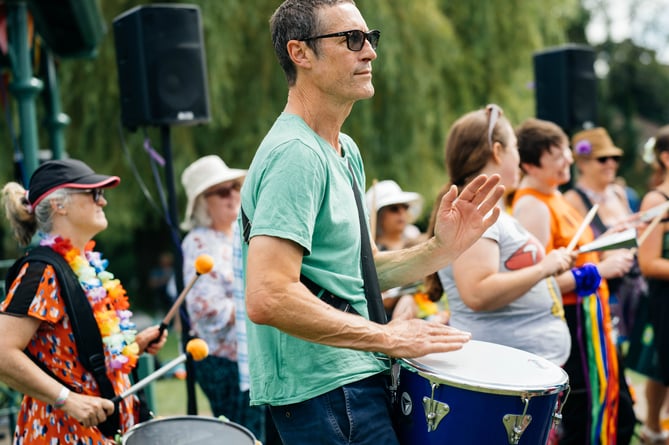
170, 394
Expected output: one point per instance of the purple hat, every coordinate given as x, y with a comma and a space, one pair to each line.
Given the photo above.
62, 173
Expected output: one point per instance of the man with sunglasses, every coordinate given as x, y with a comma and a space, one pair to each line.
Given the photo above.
320, 363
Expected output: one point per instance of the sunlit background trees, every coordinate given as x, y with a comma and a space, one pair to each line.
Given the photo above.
437, 60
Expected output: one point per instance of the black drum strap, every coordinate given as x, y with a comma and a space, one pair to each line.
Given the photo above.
375, 307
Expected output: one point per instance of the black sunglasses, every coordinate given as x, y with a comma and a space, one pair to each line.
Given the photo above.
604, 159
96, 193
224, 192
395, 208
355, 39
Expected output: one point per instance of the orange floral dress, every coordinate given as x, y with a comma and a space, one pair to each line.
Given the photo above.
36, 293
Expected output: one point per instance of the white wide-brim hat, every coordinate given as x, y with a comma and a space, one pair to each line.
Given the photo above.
385, 193
202, 174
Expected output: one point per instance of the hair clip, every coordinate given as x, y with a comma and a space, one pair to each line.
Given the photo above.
649, 151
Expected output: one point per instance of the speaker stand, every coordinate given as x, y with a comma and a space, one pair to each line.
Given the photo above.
166, 141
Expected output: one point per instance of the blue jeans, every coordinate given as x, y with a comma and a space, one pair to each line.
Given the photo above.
358, 413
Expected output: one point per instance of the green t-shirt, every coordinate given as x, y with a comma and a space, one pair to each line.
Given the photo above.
298, 188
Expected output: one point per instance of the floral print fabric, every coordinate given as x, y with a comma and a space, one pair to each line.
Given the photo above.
53, 345
210, 302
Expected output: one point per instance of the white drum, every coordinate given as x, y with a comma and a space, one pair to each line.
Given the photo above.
482, 394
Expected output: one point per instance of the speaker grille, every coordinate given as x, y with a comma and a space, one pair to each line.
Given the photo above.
161, 64
566, 86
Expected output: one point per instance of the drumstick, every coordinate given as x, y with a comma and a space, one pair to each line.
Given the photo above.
586, 222
649, 229
196, 348
650, 214
203, 264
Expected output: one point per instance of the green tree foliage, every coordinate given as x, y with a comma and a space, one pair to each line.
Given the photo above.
634, 85
632, 103
437, 59
637, 84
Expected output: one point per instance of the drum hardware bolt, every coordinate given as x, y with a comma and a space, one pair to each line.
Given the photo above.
435, 410
517, 424
557, 417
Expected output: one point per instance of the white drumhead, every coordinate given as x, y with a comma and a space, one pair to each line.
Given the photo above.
188, 430
491, 368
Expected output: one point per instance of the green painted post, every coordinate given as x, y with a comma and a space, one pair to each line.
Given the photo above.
56, 120
24, 86
145, 366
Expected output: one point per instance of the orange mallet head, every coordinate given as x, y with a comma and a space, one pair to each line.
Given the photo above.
203, 264
197, 348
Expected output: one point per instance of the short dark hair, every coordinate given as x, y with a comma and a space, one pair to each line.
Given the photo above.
536, 136
294, 20
662, 140
661, 145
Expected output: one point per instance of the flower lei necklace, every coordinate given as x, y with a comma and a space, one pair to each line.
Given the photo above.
108, 300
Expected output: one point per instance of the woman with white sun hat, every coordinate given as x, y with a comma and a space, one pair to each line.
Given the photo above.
212, 189
394, 211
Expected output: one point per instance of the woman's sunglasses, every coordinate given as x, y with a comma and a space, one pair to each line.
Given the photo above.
604, 159
96, 193
224, 192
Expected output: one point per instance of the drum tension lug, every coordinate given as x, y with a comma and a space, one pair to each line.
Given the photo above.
435, 410
557, 416
517, 424
394, 380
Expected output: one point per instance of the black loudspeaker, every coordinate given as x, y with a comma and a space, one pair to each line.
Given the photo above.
566, 87
161, 66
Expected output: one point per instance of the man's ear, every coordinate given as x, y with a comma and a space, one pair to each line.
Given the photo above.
299, 53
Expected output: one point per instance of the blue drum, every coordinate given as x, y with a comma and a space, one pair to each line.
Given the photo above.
191, 430
482, 394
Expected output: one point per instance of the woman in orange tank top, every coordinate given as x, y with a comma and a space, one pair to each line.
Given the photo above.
597, 382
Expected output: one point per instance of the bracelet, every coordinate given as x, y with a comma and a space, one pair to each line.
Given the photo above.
62, 397
587, 279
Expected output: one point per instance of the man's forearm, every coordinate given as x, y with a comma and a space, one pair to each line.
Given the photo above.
400, 267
